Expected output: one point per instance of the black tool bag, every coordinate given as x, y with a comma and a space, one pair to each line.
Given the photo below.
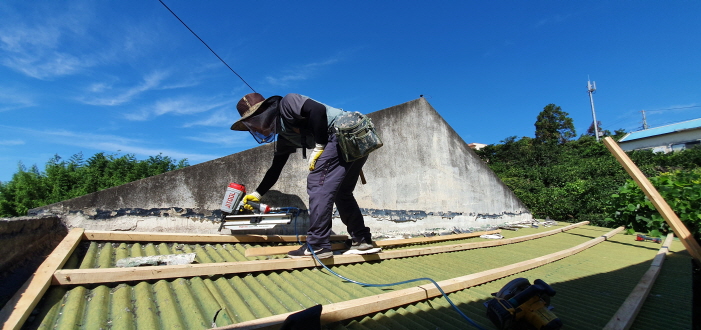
356, 135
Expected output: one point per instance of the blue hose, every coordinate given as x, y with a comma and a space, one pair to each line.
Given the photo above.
397, 283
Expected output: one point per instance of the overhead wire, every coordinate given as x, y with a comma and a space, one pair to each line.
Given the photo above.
210, 49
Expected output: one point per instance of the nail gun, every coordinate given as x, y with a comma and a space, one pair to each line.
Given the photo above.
237, 217
642, 237
519, 302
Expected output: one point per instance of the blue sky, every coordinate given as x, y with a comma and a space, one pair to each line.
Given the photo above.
127, 77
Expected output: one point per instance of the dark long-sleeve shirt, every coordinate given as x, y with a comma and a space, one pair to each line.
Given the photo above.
311, 120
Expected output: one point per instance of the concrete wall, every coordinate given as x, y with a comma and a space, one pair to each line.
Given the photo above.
424, 178
26, 241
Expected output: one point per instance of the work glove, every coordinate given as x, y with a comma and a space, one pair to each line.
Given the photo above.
316, 153
252, 197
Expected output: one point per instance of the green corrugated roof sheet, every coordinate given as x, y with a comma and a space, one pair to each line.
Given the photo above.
590, 287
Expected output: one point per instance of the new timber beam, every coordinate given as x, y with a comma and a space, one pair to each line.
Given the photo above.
127, 236
17, 310
110, 275
273, 250
367, 305
680, 230
626, 314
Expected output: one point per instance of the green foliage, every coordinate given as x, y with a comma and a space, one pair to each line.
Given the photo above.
554, 126
572, 180
681, 189
62, 180
568, 182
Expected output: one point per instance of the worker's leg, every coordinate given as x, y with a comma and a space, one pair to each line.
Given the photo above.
348, 207
322, 185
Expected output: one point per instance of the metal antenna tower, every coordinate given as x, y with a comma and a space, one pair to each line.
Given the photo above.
591, 88
644, 120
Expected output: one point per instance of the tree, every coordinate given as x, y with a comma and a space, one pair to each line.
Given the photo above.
62, 180
602, 132
553, 126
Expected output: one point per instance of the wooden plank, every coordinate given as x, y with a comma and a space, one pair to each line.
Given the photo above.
130, 236
274, 250
678, 227
373, 304
17, 310
110, 275
625, 316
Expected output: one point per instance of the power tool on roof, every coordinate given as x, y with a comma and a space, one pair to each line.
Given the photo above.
236, 217
642, 237
520, 305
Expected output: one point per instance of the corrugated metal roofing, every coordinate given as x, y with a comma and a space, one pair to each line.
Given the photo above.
590, 287
690, 124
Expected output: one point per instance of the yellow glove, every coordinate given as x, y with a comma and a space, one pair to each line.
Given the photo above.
316, 153
252, 197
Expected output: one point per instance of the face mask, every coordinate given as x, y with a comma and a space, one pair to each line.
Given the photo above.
261, 137
263, 125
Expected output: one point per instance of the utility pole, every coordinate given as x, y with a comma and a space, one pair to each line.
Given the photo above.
591, 88
644, 120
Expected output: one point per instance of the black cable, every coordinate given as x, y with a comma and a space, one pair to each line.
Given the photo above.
210, 49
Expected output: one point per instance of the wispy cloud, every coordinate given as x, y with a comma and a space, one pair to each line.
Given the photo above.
184, 105
221, 118
11, 99
225, 139
11, 142
34, 44
118, 96
554, 19
108, 143
299, 73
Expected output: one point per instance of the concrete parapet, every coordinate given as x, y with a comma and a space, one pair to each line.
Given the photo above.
26, 242
425, 176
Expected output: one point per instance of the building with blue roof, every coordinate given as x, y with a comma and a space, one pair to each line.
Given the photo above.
673, 137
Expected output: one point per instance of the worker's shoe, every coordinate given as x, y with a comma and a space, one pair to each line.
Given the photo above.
361, 246
303, 252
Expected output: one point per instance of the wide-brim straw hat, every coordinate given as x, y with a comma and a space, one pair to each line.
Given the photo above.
249, 105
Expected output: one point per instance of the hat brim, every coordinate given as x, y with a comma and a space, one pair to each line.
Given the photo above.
240, 126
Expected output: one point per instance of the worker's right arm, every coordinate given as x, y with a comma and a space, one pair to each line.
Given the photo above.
270, 178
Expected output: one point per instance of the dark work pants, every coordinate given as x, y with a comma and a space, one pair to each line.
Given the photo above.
333, 181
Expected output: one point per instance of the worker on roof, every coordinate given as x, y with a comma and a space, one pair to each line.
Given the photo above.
301, 122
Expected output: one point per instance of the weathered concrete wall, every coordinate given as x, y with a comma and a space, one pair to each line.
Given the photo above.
26, 241
424, 178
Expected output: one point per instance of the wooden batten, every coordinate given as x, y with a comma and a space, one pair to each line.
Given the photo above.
680, 230
129, 236
110, 275
17, 310
274, 250
377, 303
625, 316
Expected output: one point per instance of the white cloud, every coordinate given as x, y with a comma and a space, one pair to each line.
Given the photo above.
552, 20
221, 118
108, 143
11, 99
303, 72
225, 138
183, 105
32, 44
123, 95
11, 142
141, 151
